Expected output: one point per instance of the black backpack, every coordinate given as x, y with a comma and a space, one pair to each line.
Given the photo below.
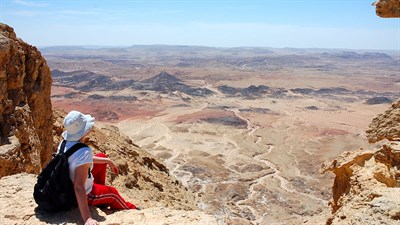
54, 190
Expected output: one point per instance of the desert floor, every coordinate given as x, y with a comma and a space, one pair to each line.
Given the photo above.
248, 160
267, 170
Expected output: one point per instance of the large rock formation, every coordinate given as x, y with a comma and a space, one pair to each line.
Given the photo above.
366, 188
25, 107
387, 8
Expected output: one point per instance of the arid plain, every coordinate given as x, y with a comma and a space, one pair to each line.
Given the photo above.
246, 129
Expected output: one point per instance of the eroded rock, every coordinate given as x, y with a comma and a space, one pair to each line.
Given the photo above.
366, 187
386, 125
25, 106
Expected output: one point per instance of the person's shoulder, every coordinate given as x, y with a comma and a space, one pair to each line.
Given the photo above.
83, 148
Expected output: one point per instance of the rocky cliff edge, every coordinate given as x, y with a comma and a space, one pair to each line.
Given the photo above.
366, 187
25, 106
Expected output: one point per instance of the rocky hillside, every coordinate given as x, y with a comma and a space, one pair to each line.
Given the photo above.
366, 189
30, 131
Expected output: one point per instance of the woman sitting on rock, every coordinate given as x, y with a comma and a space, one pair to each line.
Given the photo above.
88, 172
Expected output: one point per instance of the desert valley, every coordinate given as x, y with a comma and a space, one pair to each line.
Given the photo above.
206, 135
247, 130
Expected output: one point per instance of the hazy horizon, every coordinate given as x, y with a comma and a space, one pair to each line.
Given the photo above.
99, 47
326, 24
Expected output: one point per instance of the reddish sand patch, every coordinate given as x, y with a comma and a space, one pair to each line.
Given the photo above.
57, 90
330, 132
108, 111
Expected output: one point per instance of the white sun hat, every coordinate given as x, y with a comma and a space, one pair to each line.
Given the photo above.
77, 125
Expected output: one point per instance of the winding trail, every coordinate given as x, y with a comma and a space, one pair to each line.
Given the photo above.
284, 183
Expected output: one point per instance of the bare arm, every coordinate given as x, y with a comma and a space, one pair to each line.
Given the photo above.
81, 174
101, 160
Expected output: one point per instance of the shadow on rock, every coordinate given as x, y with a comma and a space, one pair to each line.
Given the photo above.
71, 216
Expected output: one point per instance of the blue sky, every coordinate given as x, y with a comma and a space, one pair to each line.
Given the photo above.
350, 24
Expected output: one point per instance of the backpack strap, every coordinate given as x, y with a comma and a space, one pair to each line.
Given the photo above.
71, 150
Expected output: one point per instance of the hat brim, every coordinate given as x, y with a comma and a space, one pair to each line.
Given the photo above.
89, 123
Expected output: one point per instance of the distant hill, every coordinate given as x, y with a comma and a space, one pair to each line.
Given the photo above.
163, 77
378, 100
250, 91
357, 56
167, 83
88, 81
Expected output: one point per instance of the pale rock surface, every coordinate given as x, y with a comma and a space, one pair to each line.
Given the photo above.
16, 192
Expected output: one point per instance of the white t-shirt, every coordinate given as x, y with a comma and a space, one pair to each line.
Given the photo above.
80, 157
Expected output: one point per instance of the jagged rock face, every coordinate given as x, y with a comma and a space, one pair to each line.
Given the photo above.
388, 8
25, 106
366, 186
386, 125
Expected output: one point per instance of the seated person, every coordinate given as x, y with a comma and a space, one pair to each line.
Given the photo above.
88, 172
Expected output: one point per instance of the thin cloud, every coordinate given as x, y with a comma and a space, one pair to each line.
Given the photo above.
77, 12
30, 3
25, 13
